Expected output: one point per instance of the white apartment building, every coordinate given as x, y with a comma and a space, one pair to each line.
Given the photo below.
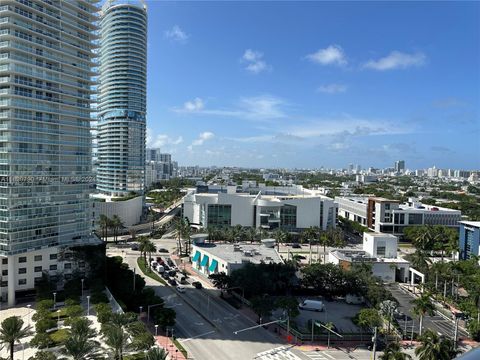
389, 216
379, 251
290, 212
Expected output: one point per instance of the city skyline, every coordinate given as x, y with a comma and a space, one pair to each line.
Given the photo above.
323, 96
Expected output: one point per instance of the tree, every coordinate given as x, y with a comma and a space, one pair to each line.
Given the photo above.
423, 306
311, 234
474, 329
387, 308
104, 222
80, 347
12, 331
164, 317
331, 237
262, 306
43, 355
221, 281
281, 236
156, 354
146, 246
116, 338
180, 232
394, 352
369, 319
434, 347
289, 305
116, 224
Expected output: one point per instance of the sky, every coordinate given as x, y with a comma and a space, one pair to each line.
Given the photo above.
312, 84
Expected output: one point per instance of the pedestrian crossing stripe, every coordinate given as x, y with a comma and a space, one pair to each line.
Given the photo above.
280, 353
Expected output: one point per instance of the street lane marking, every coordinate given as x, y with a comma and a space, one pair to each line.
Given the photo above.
330, 356
197, 336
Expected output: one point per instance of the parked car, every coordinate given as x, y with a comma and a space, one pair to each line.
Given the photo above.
160, 269
165, 275
166, 267
162, 250
296, 246
153, 264
180, 289
134, 246
170, 262
172, 273
159, 259
183, 280
197, 284
172, 282
312, 305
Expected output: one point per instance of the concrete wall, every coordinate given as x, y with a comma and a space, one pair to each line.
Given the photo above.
371, 242
129, 211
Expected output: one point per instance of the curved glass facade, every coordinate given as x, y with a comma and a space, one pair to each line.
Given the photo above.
122, 100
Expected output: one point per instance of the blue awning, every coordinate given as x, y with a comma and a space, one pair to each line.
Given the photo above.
204, 260
196, 257
213, 266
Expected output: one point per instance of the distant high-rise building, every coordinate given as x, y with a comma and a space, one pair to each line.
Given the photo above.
122, 98
45, 86
400, 166
152, 155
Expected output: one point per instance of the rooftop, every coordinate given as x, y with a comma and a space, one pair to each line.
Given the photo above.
238, 253
471, 223
363, 256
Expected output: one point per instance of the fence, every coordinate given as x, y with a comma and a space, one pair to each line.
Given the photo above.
113, 303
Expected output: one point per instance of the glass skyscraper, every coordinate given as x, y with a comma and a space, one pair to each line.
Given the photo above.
122, 99
46, 52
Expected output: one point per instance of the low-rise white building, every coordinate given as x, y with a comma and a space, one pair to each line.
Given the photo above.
270, 212
129, 211
208, 258
379, 251
392, 217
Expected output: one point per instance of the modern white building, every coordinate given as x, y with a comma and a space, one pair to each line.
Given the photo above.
392, 217
289, 212
46, 70
210, 259
379, 251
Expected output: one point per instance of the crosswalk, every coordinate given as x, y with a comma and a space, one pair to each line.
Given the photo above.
280, 353
315, 355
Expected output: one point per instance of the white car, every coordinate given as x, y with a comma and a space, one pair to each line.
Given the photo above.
180, 289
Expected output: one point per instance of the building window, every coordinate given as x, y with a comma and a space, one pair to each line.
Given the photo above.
219, 215
67, 266
4, 283
22, 259
53, 267
381, 250
38, 269
288, 216
22, 270
38, 258
4, 272
53, 256
22, 281
37, 280
5, 261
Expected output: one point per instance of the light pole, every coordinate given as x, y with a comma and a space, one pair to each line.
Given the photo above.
156, 330
29, 306
375, 343
88, 305
54, 300
82, 287
58, 319
140, 313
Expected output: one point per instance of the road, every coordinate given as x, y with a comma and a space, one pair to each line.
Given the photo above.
436, 323
205, 324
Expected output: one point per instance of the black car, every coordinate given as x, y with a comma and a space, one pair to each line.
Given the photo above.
170, 262
165, 275
166, 267
172, 282
162, 250
296, 246
172, 273
197, 284
134, 247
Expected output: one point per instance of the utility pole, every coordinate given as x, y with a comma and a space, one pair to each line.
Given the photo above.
375, 343
455, 333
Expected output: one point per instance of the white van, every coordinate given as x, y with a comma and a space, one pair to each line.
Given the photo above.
160, 269
312, 305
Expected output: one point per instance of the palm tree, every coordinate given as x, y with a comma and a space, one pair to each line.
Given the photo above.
186, 235
80, 347
179, 226
156, 354
142, 244
103, 221
147, 246
331, 237
423, 306
12, 331
434, 347
116, 223
281, 237
116, 339
394, 352
251, 234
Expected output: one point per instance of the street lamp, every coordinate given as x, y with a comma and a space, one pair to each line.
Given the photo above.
29, 311
58, 319
54, 300
88, 305
156, 330
82, 287
140, 312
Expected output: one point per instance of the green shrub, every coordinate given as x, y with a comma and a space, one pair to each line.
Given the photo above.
59, 337
44, 305
98, 297
43, 355
43, 325
41, 340
474, 329
104, 312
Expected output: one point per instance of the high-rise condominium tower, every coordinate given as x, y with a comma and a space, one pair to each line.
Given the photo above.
45, 142
122, 98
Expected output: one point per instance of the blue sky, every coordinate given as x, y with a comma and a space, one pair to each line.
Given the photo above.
310, 84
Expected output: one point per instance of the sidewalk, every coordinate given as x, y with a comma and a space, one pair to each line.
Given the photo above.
167, 344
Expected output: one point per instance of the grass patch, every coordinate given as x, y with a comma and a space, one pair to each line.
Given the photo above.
137, 356
59, 336
180, 347
148, 272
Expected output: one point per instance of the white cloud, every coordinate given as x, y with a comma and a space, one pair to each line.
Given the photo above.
396, 60
332, 88
202, 138
196, 104
332, 55
161, 140
256, 108
176, 34
255, 62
